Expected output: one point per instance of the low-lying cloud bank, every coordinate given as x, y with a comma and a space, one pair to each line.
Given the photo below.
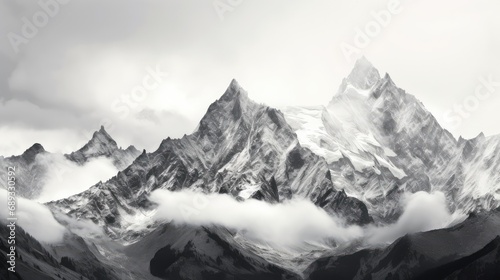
45, 226
297, 221
290, 223
284, 223
65, 178
35, 218
82, 227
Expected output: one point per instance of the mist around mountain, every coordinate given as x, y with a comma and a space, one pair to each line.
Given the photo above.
368, 186
46, 176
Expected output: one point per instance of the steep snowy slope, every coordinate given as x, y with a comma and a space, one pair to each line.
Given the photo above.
477, 186
381, 142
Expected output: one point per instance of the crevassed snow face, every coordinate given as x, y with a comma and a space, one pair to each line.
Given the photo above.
344, 128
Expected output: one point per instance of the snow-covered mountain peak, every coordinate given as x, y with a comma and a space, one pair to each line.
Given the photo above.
362, 80
102, 144
233, 106
481, 136
234, 91
36, 148
101, 137
34, 171
364, 75
30, 154
235, 85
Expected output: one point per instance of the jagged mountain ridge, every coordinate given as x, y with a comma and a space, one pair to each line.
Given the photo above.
381, 142
102, 144
240, 147
32, 170
364, 149
375, 143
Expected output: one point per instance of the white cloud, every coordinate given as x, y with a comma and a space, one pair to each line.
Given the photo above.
45, 226
63, 140
81, 227
65, 178
423, 212
297, 221
35, 218
288, 223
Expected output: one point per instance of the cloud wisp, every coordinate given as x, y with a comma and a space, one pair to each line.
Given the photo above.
65, 178
423, 212
35, 218
285, 223
298, 221
289, 224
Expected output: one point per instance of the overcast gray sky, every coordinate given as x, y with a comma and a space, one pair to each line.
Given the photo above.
67, 66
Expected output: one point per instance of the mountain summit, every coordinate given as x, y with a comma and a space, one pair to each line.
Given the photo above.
381, 142
102, 144
30, 154
364, 75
